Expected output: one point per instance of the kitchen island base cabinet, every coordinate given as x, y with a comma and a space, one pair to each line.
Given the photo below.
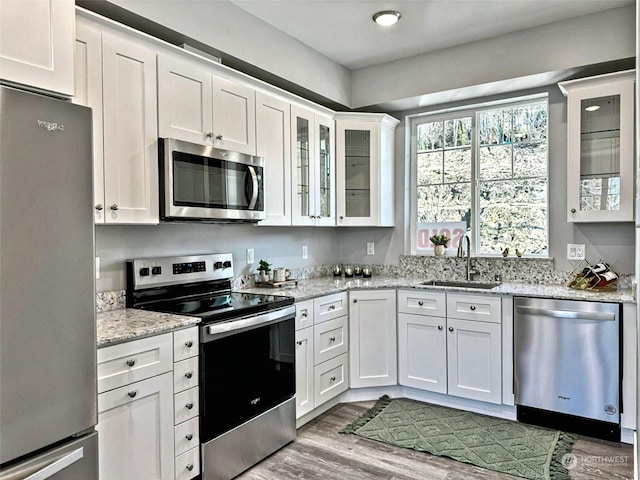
454, 347
372, 328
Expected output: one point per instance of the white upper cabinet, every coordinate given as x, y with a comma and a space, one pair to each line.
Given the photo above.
313, 168
600, 148
116, 77
37, 44
365, 169
273, 143
199, 107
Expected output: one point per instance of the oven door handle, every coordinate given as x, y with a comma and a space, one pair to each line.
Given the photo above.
254, 187
223, 329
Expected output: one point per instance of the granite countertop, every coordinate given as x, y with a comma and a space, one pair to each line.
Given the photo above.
124, 324
306, 289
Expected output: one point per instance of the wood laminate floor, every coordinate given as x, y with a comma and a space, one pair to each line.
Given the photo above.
321, 453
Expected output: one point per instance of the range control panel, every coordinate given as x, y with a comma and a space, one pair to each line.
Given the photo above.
154, 272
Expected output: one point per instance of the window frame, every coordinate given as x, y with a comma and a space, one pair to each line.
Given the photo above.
471, 110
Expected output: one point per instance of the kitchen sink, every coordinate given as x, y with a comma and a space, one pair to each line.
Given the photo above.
459, 284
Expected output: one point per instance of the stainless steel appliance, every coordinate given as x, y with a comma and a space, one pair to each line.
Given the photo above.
47, 300
247, 356
567, 365
199, 183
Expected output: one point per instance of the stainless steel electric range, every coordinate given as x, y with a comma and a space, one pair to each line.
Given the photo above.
247, 356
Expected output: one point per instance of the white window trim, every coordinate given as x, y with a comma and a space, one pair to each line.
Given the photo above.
465, 110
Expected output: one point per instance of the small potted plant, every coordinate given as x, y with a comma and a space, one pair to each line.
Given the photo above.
263, 270
440, 241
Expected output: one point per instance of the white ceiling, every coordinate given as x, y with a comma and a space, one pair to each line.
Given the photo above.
344, 31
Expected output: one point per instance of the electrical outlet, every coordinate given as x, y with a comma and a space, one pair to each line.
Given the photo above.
371, 248
305, 252
250, 256
576, 251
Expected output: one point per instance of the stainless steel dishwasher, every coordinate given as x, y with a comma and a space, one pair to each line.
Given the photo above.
567, 365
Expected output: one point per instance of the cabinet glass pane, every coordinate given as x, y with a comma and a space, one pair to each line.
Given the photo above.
302, 170
357, 173
600, 153
325, 170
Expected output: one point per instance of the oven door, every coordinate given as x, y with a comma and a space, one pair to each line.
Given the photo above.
206, 183
247, 366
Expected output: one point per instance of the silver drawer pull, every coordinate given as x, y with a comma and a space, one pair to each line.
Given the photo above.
332, 307
189, 437
299, 342
131, 363
189, 467
114, 207
188, 344
304, 314
133, 393
332, 339
420, 302
189, 405
188, 374
472, 307
333, 379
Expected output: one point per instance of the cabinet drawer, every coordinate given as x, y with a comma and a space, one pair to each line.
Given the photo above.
422, 303
474, 307
330, 378
188, 464
187, 436
121, 364
330, 306
185, 374
185, 344
304, 314
186, 405
330, 339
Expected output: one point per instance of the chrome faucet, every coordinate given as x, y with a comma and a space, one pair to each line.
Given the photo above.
470, 272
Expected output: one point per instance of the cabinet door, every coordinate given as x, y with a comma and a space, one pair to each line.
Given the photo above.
600, 123
474, 359
234, 116
135, 425
324, 173
358, 165
130, 131
88, 92
273, 143
372, 325
304, 371
37, 44
422, 352
184, 100
303, 144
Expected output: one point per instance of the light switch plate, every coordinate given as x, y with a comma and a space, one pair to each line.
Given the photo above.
250, 256
576, 251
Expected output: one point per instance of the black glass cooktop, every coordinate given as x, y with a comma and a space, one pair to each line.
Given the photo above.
218, 307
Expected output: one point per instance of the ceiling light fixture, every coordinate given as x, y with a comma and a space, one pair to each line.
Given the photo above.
592, 108
386, 17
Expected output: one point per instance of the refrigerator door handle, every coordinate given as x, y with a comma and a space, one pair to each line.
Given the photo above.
57, 466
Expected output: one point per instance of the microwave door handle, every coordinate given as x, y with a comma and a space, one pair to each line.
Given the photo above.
254, 187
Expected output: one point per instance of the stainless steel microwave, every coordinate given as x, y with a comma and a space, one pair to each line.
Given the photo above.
207, 184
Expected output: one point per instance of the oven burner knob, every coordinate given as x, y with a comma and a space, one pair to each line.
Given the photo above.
227, 264
156, 270
217, 265
144, 272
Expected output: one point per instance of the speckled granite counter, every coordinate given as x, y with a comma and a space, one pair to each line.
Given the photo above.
311, 288
124, 324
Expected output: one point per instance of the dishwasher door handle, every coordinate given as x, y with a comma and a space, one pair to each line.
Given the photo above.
570, 314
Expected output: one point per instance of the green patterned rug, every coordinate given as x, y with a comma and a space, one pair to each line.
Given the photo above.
493, 443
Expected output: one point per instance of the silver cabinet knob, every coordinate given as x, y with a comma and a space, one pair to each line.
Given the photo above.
333, 379
131, 363
473, 308
188, 374
114, 207
189, 467
332, 307
188, 344
439, 327
304, 314
332, 339
451, 329
421, 303
573, 210
132, 393
99, 207
218, 137
189, 405
299, 342
189, 437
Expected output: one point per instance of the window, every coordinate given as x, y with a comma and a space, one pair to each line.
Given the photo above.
484, 169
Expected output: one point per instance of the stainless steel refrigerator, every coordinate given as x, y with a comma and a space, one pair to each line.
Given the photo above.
47, 301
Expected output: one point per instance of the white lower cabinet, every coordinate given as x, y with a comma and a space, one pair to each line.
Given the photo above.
148, 408
322, 342
454, 347
372, 328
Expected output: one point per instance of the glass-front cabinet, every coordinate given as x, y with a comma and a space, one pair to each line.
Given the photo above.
313, 185
600, 148
365, 169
